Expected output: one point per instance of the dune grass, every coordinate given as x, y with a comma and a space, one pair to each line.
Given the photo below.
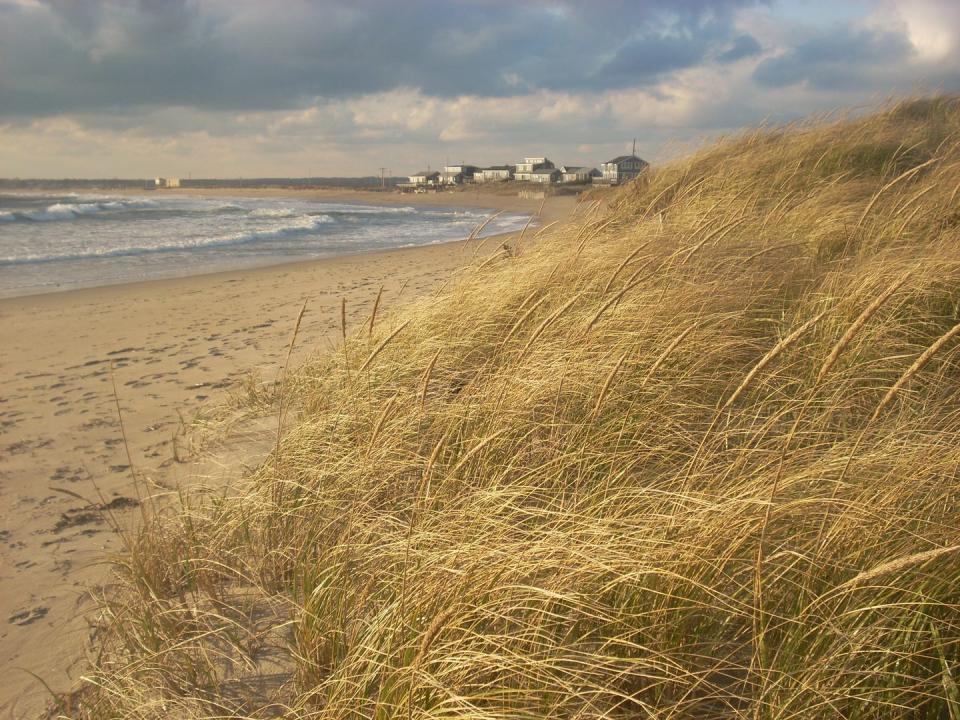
693, 454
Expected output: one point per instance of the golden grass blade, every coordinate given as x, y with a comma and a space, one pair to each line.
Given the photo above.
424, 384
606, 387
771, 356
546, 323
373, 314
281, 406
894, 566
377, 350
861, 320
622, 265
916, 367
898, 179
674, 344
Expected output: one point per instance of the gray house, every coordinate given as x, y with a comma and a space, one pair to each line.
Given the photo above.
622, 168
545, 176
576, 174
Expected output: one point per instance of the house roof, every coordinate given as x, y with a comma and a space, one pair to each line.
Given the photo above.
621, 158
500, 167
425, 173
544, 171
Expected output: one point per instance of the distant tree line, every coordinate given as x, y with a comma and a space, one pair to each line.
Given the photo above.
135, 183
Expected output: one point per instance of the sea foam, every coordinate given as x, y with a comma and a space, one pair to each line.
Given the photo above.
71, 211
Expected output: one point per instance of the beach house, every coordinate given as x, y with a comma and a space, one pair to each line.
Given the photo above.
457, 174
494, 173
529, 166
425, 178
621, 169
572, 174
545, 176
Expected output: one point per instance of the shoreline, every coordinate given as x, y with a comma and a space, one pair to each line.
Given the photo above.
171, 346
239, 273
552, 210
492, 195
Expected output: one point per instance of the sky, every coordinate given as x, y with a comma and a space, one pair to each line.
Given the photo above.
282, 88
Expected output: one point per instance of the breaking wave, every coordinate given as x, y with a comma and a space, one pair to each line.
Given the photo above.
274, 212
71, 211
304, 224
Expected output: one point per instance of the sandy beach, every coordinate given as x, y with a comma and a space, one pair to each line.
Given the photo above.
173, 346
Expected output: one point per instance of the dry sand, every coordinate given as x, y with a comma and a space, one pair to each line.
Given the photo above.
174, 345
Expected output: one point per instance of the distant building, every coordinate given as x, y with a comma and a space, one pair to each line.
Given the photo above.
622, 168
576, 174
545, 176
166, 182
494, 173
531, 165
457, 174
425, 178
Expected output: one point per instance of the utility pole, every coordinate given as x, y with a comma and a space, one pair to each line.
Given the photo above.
634, 151
383, 183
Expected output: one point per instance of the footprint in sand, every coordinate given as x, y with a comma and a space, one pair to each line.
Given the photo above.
25, 617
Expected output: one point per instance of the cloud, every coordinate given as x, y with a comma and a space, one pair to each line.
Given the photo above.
743, 46
62, 56
245, 87
841, 58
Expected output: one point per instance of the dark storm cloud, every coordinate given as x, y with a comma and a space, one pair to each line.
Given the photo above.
838, 59
85, 55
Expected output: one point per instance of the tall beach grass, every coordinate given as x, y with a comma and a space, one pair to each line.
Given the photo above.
693, 454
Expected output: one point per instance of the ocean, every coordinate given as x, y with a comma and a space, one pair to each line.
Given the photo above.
52, 242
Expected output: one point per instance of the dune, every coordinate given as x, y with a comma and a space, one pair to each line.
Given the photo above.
691, 454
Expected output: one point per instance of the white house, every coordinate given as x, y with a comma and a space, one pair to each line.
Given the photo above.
166, 182
531, 165
457, 174
425, 178
622, 168
577, 174
494, 173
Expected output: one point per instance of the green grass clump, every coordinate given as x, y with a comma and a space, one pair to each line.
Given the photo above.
692, 455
